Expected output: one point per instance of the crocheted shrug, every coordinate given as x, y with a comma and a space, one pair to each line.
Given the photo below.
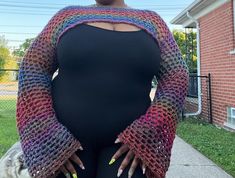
47, 144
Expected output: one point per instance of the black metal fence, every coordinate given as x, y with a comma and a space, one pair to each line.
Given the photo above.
192, 100
8, 92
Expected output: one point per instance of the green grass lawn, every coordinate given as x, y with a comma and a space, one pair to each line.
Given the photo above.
8, 132
216, 144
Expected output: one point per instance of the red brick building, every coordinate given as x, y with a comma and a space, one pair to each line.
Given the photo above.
214, 21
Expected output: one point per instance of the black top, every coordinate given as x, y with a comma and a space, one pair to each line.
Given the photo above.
104, 79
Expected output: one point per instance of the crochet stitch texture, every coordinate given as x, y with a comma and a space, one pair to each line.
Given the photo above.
47, 144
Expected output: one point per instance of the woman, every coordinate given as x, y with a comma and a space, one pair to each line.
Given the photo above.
107, 55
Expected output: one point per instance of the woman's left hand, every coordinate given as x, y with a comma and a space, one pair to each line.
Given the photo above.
124, 148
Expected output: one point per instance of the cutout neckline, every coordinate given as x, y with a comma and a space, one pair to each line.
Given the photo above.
118, 31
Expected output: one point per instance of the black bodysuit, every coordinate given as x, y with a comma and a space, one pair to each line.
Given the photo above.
103, 85
104, 81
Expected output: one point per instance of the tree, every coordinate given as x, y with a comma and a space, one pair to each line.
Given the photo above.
3, 41
7, 61
4, 52
23, 47
188, 46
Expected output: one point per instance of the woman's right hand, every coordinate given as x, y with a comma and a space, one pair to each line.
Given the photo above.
68, 168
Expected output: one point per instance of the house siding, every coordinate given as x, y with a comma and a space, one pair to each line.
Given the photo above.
217, 40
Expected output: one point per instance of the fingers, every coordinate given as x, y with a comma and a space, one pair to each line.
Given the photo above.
120, 151
71, 169
68, 167
134, 164
77, 160
65, 172
125, 162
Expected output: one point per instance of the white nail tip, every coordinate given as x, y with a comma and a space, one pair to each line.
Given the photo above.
119, 172
144, 170
117, 140
129, 175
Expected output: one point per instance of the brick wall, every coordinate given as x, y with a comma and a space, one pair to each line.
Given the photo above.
217, 40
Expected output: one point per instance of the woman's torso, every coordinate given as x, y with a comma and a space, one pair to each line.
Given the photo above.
104, 79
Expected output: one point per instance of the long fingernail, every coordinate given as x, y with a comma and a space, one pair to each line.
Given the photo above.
117, 140
111, 161
129, 174
67, 175
144, 170
82, 166
80, 148
119, 172
75, 176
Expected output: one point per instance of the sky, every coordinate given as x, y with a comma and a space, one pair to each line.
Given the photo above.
22, 19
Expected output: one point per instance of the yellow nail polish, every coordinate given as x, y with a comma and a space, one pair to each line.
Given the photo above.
75, 176
111, 161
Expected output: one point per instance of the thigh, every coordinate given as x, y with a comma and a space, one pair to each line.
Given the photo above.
88, 157
104, 170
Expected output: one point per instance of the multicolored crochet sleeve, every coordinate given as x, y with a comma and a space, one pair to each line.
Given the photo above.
45, 142
151, 135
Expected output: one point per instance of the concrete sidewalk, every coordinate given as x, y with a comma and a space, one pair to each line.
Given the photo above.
186, 162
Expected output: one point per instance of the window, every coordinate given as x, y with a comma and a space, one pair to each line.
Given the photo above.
230, 117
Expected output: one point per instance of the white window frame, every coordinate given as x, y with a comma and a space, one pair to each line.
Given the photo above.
231, 116
233, 110
233, 51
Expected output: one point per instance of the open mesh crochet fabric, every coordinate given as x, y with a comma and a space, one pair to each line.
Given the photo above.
47, 144
151, 136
